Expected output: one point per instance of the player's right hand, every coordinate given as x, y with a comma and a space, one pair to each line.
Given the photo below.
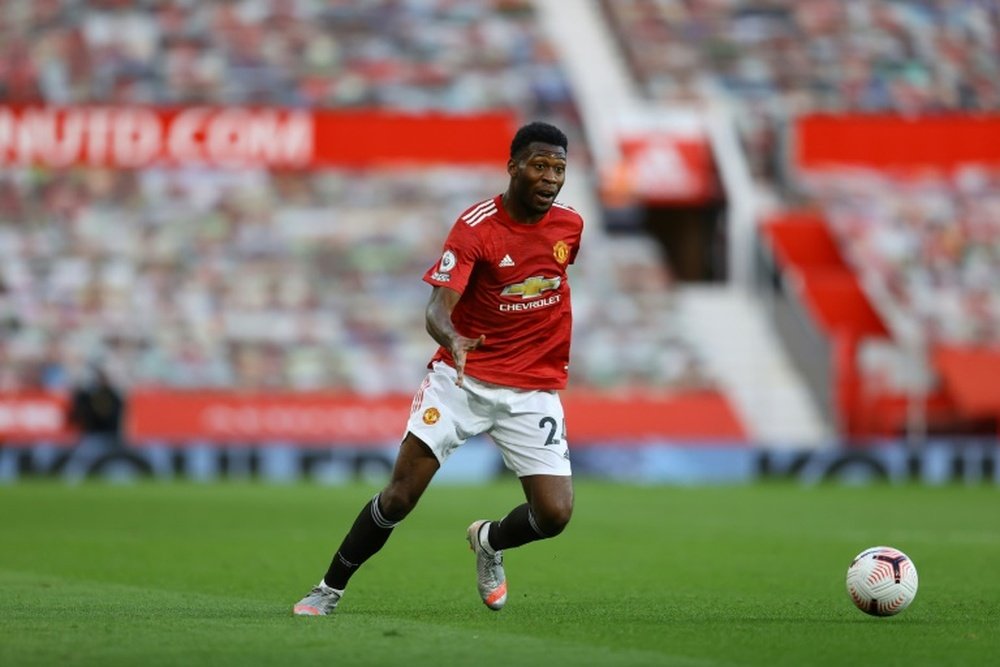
459, 350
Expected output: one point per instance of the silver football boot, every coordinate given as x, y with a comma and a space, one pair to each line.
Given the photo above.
320, 601
492, 581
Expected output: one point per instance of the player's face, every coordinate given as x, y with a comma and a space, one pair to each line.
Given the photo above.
537, 176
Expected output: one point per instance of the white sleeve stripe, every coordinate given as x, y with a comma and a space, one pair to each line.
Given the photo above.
482, 215
479, 208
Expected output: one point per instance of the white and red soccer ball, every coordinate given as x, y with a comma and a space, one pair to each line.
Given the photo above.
882, 581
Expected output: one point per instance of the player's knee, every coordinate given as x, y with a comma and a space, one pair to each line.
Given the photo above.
553, 518
396, 502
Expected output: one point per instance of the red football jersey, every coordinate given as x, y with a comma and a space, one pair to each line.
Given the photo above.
512, 278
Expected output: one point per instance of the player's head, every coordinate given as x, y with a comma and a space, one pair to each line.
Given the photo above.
537, 168
539, 132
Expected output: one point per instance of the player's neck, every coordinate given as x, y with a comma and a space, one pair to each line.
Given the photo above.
515, 213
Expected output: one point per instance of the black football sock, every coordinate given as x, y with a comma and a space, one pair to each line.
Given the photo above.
368, 534
515, 529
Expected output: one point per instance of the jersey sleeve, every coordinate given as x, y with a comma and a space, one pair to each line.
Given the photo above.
458, 257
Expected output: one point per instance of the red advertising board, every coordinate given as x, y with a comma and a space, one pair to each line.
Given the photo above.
234, 137
332, 419
896, 142
660, 167
34, 416
969, 375
338, 418
599, 418
313, 418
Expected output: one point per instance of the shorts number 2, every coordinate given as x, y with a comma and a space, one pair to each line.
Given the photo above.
551, 424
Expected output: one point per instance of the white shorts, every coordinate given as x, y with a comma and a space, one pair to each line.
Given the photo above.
526, 424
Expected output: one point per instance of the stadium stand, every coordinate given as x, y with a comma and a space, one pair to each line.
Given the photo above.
227, 278
414, 55
929, 241
903, 56
920, 238
778, 59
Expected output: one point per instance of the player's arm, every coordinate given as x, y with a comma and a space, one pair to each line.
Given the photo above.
441, 329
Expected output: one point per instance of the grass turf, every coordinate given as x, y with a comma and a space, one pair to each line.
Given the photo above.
178, 574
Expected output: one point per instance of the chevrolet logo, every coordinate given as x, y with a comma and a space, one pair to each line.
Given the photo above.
532, 287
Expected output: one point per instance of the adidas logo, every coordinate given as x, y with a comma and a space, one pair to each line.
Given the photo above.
506, 261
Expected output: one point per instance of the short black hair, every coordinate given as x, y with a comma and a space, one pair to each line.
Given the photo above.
540, 132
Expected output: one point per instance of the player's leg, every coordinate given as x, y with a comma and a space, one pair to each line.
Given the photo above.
439, 420
414, 468
532, 440
545, 515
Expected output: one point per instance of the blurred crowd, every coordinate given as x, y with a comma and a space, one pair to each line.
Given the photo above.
777, 58
258, 280
254, 279
627, 331
317, 53
901, 56
929, 241
191, 278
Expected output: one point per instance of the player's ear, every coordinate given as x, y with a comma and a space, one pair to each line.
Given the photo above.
512, 167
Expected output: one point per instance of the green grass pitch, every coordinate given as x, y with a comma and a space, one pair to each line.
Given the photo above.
187, 574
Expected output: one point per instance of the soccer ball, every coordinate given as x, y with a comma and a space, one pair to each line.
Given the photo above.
882, 581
